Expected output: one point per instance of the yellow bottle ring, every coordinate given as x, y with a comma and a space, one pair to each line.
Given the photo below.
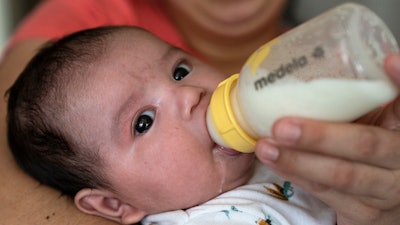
224, 118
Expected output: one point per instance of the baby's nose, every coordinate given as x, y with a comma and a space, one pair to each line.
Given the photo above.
189, 98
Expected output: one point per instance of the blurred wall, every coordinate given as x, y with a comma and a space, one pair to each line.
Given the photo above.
5, 22
11, 13
388, 10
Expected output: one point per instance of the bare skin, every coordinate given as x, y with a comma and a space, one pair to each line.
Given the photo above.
225, 33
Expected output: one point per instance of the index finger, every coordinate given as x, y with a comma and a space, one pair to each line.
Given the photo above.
368, 144
392, 67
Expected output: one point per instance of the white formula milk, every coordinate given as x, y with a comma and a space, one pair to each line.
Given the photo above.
325, 99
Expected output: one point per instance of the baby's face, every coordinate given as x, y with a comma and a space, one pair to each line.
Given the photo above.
146, 105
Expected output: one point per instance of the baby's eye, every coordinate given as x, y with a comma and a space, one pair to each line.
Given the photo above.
143, 122
181, 71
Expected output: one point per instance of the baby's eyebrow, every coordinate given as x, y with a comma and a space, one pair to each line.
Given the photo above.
172, 50
123, 115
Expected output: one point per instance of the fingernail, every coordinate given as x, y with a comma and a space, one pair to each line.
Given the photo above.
269, 153
287, 132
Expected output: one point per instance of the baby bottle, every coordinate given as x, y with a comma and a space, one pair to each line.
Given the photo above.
329, 68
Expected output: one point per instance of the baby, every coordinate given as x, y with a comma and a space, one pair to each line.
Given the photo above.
116, 118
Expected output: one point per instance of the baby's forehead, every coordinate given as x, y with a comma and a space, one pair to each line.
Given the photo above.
138, 36
136, 46
129, 51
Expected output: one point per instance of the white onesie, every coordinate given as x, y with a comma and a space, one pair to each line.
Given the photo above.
265, 200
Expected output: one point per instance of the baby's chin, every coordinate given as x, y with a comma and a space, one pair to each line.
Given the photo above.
236, 168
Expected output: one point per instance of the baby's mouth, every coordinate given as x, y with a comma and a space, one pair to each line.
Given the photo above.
226, 151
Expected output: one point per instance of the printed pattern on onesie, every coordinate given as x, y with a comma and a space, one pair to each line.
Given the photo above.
265, 200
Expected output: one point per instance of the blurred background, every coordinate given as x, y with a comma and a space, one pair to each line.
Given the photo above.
388, 10
11, 12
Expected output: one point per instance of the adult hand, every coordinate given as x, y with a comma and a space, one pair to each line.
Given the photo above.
353, 167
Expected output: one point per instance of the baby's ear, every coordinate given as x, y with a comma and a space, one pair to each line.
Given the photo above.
104, 204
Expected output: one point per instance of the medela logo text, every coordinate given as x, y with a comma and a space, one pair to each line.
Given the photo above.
282, 71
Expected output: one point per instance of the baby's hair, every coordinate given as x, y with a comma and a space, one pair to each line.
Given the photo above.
42, 142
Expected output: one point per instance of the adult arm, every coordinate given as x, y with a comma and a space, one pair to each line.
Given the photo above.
353, 167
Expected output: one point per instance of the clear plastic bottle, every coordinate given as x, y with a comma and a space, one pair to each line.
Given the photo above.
329, 68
